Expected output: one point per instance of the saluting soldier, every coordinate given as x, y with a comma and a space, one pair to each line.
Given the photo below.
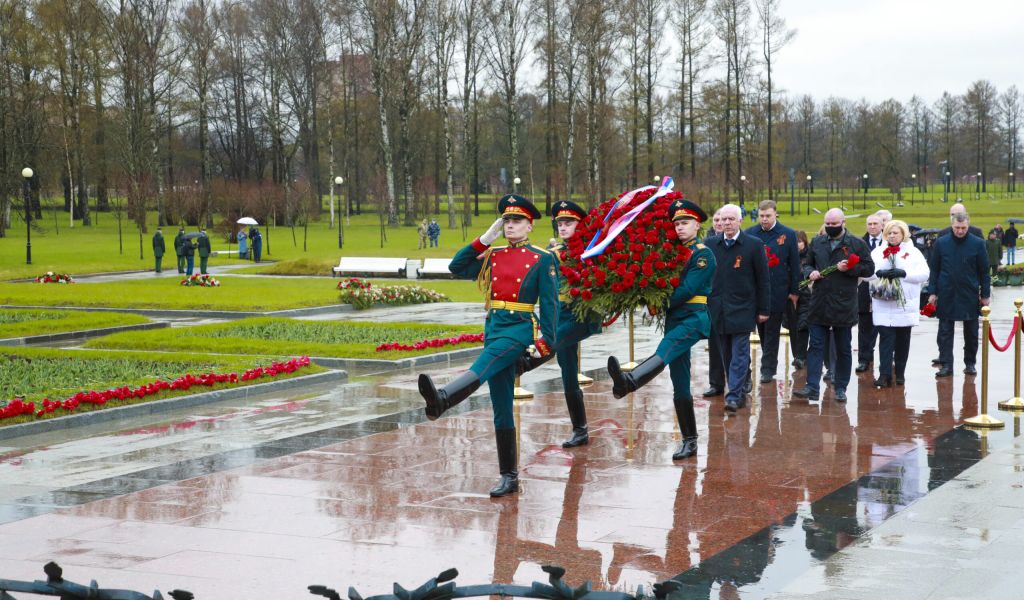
158, 248
686, 322
179, 249
203, 246
567, 215
515, 279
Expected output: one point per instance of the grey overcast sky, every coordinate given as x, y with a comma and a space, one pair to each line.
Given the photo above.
879, 49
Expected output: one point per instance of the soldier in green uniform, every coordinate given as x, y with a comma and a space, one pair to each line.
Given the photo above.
515, 279
179, 249
686, 322
571, 331
158, 248
203, 246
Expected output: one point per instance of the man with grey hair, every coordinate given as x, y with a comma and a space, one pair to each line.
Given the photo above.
960, 209
885, 215
739, 300
959, 285
833, 307
866, 334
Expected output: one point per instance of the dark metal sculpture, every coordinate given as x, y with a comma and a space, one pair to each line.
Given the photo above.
443, 587
56, 585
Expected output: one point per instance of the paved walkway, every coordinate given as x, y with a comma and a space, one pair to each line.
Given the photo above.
351, 486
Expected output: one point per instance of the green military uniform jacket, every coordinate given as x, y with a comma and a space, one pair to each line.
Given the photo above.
203, 246
158, 245
694, 287
518, 273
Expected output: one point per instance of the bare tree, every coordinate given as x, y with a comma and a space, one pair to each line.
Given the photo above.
444, 21
774, 36
690, 18
196, 29
508, 28
980, 103
571, 22
1011, 111
471, 59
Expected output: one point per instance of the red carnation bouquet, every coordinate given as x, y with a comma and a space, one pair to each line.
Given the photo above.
851, 262
929, 310
773, 259
640, 267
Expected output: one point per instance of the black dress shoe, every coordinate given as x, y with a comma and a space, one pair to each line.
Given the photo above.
863, 366
900, 380
713, 391
767, 379
883, 381
806, 392
936, 361
970, 370
687, 449
580, 437
799, 363
840, 395
829, 377
944, 372
731, 407
748, 387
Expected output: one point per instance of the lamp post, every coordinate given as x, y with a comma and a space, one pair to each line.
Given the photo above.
1011, 189
743, 189
977, 187
341, 226
864, 203
913, 187
26, 174
945, 187
808, 190
515, 184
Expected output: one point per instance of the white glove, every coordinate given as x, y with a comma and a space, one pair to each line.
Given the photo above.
533, 351
492, 233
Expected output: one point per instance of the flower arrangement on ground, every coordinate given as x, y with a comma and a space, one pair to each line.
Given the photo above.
889, 288
200, 281
851, 262
465, 338
625, 255
362, 294
51, 277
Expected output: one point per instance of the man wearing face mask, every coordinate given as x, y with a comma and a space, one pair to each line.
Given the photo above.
567, 215
833, 305
515, 279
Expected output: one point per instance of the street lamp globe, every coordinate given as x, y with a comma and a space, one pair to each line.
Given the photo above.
657, 178
808, 178
743, 178
27, 173
517, 181
339, 180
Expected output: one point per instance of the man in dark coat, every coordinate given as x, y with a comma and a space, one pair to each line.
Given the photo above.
716, 374
179, 249
1010, 241
783, 258
203, 246
960, 280
955, 210
256, 238
739, 300
833, 300
158, 248
189, 249
866, 334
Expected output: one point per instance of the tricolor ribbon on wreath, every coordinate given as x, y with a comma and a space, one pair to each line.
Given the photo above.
596, 249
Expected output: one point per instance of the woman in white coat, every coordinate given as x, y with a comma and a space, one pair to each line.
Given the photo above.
898, 264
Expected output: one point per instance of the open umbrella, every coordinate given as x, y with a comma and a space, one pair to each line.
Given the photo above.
194, 234
247, 221
1015, 220
924, 232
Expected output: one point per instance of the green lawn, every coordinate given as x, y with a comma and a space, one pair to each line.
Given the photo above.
290, 337
19, 323
37, 373
235, 293
82, 250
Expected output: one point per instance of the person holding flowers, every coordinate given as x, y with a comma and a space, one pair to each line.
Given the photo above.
686, 322
571, 329
515, 279
895, 287
837, 259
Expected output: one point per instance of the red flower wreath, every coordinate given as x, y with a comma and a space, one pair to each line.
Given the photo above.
639, 268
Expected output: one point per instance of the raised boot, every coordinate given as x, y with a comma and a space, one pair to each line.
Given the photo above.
455, 391
507, 463
529, 363
687, 426
624, 383
578, 417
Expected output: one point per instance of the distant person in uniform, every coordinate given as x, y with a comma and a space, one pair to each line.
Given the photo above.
158, 248
434, 233
257, 244
179, 249
421, 231
203, 245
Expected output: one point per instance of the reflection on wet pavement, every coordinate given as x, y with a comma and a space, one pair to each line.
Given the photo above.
353, 487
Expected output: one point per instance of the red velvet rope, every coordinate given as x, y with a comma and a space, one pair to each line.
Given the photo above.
1009, 340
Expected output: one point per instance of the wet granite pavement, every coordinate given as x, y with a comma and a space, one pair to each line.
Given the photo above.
351, 486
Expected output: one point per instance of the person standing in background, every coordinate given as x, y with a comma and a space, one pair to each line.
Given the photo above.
866, 334
158, 248
203, 245
179, 249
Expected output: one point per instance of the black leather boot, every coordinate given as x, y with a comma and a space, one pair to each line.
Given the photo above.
688, 427
529, 363
625, 383
883, 381
507, 463
578, 417
455, 391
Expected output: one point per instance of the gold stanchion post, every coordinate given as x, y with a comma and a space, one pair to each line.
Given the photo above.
632, 358
983, 420
521, 393
580, 377
1015, 403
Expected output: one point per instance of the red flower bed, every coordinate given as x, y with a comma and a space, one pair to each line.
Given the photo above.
435, 343
19, 407
639, 268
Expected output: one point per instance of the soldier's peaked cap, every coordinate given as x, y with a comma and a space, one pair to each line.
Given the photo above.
517, 206
684, 209
566, 209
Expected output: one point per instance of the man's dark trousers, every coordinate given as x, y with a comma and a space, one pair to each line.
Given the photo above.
816, 356
866, 336
716, 371
947, 329
769, 334
735, 349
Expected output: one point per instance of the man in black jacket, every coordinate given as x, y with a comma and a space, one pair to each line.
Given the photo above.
784, 270
834, 300
716, 373
738, 301
866, 334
